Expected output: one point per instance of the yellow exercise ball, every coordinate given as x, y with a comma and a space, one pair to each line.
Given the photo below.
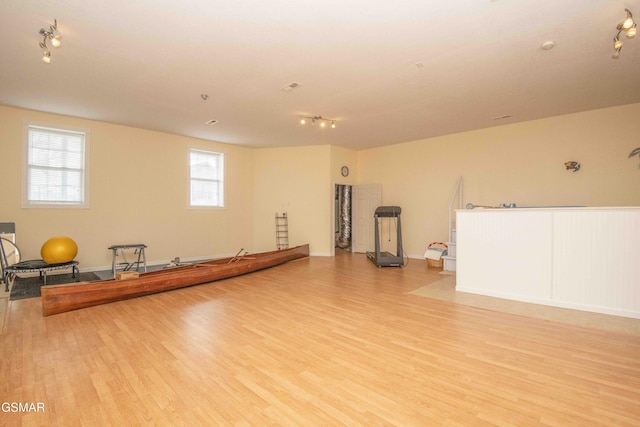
58, 250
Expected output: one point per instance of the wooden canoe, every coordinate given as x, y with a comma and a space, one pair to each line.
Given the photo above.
62, 298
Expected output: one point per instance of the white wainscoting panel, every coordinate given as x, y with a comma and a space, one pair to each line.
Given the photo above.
505, 255
581, 258
597, 260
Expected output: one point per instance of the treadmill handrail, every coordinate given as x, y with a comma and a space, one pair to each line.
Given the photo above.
388, 211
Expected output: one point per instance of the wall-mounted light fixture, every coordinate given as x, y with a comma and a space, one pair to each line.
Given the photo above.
319, 119
51, 34
635, 152
572, 166
628, 26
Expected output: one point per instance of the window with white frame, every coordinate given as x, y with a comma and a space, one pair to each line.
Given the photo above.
206, 178
55, 167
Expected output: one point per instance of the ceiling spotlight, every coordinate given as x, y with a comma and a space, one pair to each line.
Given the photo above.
323, 122
616, 54
51, 34
628, 22
629, 27
617, 44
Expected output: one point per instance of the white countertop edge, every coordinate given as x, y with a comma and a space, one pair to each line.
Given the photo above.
553, 208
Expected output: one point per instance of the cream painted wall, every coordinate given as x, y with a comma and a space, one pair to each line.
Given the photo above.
521, 163
138, 193
295, 180
344, 157
139, 182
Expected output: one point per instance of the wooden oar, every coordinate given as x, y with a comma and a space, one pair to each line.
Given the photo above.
240, 257
236, 256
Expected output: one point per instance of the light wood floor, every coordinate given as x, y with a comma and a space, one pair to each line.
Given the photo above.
316, 342
445, 289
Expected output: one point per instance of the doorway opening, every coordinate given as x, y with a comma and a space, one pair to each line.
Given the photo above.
343, 220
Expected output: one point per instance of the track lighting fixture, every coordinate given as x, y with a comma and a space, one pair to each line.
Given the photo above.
51, 34
628, 26
319, 119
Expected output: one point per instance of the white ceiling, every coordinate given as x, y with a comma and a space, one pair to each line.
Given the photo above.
145, 63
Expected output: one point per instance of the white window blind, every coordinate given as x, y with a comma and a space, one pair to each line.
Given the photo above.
55, 167
206, 178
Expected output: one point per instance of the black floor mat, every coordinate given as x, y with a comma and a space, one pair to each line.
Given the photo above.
29, 287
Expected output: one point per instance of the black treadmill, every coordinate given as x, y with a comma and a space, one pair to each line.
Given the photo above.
387, 259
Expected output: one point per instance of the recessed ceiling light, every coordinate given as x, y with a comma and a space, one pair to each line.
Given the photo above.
211, 122
548, 45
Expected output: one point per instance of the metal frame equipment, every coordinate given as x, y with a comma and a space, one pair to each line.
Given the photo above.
386, 259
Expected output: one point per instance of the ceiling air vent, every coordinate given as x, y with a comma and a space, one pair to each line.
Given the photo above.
291, 86
211, 122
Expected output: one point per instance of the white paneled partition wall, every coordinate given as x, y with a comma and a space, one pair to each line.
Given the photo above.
580, 258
